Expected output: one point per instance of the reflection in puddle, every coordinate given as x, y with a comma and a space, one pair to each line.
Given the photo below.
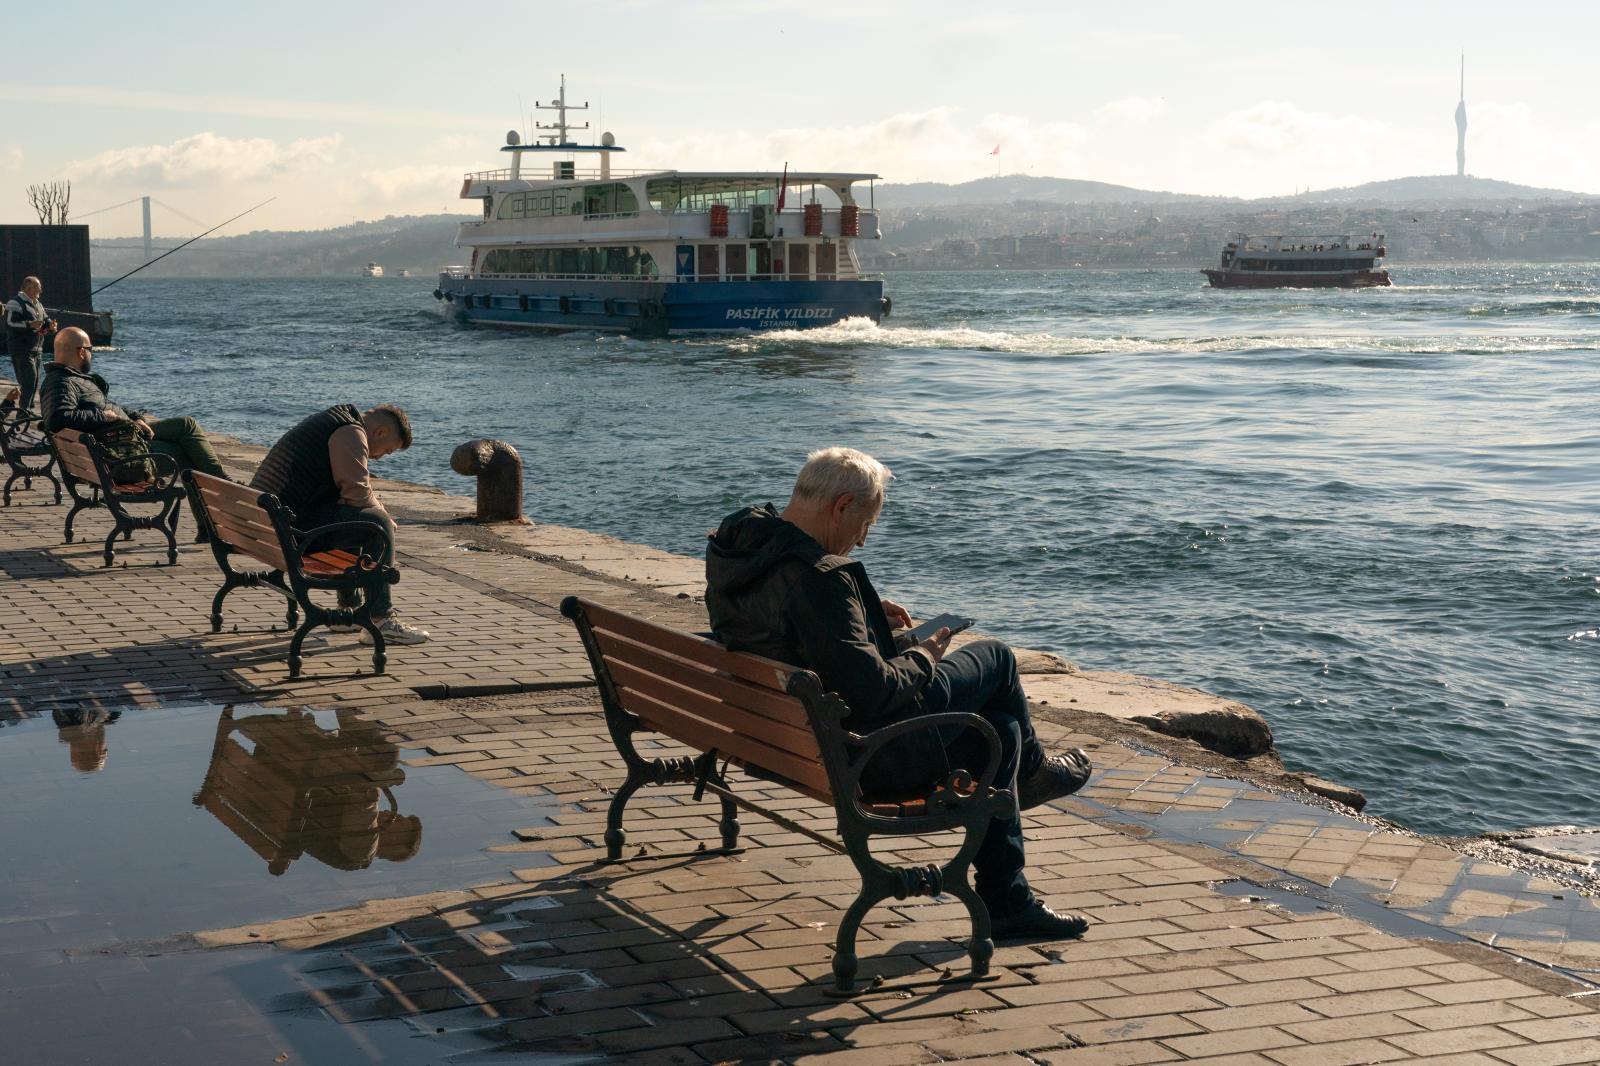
287, 787
83, 731
296, 812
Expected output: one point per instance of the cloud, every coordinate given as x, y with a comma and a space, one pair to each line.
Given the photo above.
206, 157
1509, 141
413, 181
940, 144
1275, 128
1131, 111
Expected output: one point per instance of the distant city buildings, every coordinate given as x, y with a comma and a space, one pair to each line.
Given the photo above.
1032, 235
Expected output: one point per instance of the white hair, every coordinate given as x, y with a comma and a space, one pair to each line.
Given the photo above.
832, 472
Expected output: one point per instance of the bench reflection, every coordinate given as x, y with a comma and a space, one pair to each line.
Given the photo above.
288, 787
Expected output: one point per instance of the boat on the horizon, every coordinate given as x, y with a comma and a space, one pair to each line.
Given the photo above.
1314, 262
372, 270
658, 251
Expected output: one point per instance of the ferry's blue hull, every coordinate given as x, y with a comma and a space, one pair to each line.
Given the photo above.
658, 308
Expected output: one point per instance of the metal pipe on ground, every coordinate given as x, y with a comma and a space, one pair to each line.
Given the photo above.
498, 468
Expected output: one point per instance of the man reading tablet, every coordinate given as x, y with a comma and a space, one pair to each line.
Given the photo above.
782, 585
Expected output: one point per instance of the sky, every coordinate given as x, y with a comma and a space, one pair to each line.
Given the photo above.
356, 110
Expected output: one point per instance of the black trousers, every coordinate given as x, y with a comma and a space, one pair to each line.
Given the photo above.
980, 678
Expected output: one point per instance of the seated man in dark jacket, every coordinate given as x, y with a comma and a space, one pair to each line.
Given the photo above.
782, 585
74, 398
319, 471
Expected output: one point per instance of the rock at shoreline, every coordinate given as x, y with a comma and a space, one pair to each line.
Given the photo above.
1226, 727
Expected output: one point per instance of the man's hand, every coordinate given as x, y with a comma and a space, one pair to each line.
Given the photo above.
937, 644
899, 617
143, 427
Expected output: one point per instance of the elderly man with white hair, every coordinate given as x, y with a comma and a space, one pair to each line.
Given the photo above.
782, 585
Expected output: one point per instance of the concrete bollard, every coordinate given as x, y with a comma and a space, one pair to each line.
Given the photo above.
498, 468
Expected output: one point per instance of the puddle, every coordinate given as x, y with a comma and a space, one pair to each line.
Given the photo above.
149, 823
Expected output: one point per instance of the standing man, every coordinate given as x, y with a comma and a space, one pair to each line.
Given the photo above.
783, 586
318, 470
26, 326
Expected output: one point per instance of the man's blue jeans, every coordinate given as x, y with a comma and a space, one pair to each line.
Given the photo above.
980, 678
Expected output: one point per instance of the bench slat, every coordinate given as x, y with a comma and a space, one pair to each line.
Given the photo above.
75, 458
699, 733
327, 563
799, 742
755, 698
768, 673
251, 542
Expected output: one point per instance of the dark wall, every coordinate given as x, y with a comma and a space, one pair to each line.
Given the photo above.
57, 255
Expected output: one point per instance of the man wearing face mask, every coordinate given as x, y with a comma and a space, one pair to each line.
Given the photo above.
74, 397
782, 585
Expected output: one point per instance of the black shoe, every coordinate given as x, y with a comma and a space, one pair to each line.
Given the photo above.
1039, 922
1059, 775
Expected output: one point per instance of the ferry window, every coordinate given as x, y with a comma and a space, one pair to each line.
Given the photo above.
647, 265
734, 254
494, 262
799, 260
561, 201
599, 199
760, 260
627, 202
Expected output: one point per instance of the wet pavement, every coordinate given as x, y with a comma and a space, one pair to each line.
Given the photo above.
140, 824
408, 871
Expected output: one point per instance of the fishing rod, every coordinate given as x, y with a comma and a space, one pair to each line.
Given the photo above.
180, 247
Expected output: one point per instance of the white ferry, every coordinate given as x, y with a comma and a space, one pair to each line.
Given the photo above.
372, 270
1300, 263
657, 251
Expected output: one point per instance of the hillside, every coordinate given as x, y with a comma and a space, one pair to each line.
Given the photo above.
1013, 187
419, 243
1425, 190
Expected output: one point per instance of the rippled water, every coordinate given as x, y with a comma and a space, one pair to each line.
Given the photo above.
1368, 514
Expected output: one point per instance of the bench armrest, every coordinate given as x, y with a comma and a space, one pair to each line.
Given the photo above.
868, 746
359, 537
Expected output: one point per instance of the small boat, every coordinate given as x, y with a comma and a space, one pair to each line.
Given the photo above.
372, 270
403, 274
1316, 262
657, 252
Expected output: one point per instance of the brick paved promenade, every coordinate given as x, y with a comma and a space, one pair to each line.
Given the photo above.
1234, 924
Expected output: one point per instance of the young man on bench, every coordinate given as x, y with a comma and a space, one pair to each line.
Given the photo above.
319, 471
783, 586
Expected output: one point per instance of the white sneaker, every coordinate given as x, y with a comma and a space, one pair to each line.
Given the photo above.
397, 632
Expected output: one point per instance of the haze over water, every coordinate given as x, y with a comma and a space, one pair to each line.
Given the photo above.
1367, 514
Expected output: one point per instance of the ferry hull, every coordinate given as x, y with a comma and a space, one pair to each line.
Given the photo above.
1342, 279
660, 308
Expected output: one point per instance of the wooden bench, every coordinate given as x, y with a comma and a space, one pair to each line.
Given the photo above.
777, 722
345, 556
27, 452
94, 479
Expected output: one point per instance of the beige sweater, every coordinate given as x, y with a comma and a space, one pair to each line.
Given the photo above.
347, 453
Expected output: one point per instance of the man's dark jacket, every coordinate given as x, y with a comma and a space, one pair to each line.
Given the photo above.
71, 399
772, 590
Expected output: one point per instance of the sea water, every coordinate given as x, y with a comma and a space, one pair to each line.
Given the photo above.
1368, 514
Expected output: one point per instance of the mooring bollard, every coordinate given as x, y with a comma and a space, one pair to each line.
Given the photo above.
498, 468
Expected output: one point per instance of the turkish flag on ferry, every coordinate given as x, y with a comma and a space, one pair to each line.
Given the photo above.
996, 150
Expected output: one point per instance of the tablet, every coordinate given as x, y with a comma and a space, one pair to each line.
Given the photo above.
927, 629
